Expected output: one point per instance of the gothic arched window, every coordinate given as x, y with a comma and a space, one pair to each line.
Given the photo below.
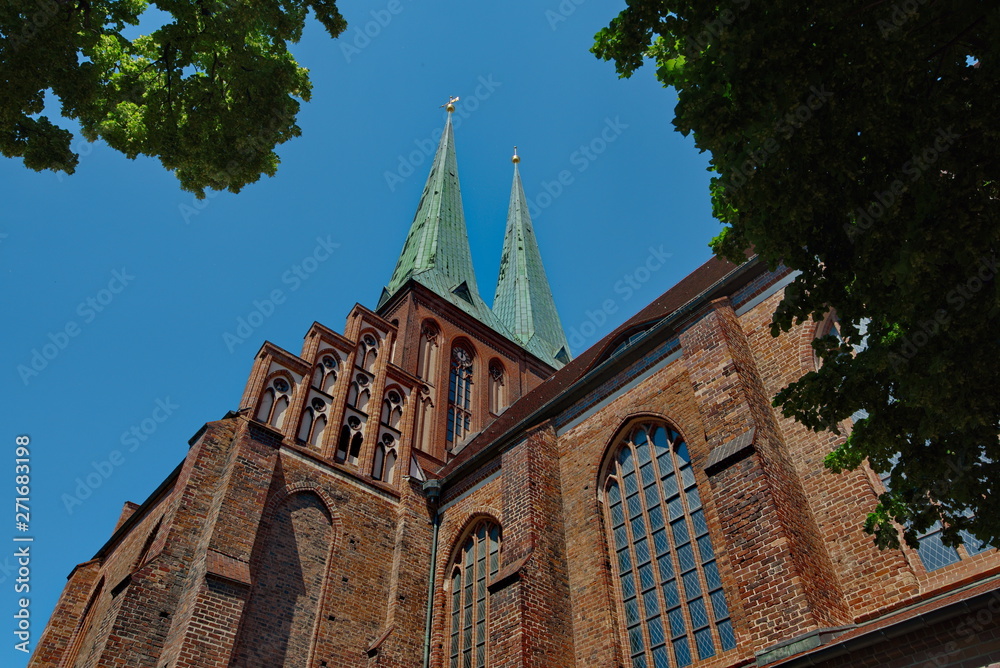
670, 592
460, 394
313, 424
384, 465
497, 399
424, 423
351, 438
360, 392
325, 374
427, 354
274, 402
474, 565
367, 353
392, 409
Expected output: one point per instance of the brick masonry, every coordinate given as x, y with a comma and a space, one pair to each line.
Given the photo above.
264, 549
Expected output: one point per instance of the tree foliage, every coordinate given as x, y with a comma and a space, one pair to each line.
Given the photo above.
857, 143
210, 93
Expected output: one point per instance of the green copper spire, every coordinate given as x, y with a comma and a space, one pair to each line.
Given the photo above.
523, 300
436, 253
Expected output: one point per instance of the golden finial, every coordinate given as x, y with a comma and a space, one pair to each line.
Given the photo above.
451, 104
516, 159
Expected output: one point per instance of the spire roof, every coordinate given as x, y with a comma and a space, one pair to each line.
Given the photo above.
523, 301
436, 252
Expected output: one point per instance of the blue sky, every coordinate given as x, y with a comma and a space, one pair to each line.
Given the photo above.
149, 281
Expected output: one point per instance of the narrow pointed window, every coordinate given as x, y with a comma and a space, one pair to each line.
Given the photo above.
306, 427
344, 444
278, 417
356, 441
385, 459
377, 469
385, 451
266, 404
424, 423
319, 429
325, 374
392, 409
497, 399
460, 395
351, 438
671, 598
427, 355
476, 562
360, 393
274, 402
313, 422
367, 353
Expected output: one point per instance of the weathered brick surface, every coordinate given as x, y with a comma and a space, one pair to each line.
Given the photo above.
266, 551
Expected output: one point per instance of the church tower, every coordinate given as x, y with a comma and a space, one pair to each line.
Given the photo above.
523, 300
473, 361
296, 530
440, 486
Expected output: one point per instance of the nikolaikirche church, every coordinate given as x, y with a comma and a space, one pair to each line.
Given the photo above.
442, 485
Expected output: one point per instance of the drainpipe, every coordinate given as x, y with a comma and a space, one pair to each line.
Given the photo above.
432, 490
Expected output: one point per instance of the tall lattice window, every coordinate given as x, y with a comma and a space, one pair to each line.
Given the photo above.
933, 553
476, 563
672, 602
460, 395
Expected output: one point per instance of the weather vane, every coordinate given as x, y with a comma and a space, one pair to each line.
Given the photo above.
451, 103
516, 159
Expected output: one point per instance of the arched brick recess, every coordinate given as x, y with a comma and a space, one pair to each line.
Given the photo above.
279, 625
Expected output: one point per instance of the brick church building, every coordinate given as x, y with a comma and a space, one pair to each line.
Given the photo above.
442, 486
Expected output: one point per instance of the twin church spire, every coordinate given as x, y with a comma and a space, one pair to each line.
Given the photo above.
436, 254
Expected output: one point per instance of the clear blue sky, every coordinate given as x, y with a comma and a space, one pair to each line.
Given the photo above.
188, 278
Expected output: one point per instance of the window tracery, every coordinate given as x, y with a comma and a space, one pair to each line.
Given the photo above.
460, 394
274, 401
475, 564
671, 598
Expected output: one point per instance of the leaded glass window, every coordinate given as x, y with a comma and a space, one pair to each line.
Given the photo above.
933, 553
460, 395
476, 563
672, 602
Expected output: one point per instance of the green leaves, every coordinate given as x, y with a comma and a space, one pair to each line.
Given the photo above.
210, 93
868, 160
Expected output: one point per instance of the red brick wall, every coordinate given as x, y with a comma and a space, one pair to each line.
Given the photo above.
269, 553
277, 628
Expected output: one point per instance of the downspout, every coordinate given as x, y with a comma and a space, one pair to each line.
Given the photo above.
432, 490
